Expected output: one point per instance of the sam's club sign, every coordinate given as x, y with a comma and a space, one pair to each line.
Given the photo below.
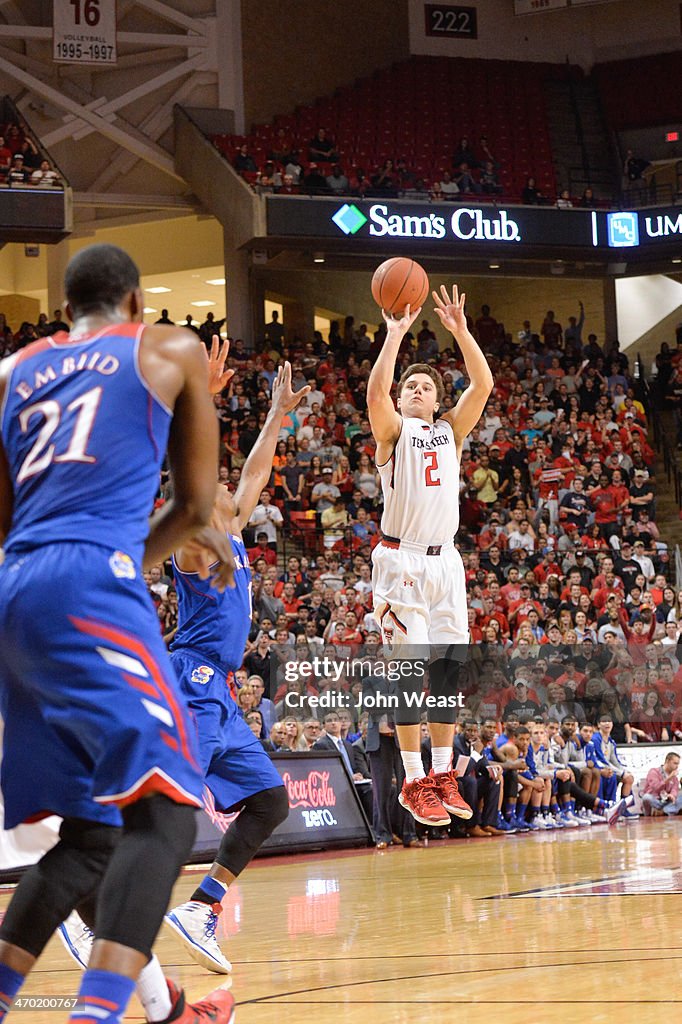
470, 226
479, 224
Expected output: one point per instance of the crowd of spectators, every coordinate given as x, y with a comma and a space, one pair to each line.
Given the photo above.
571, 610
320, 169
21, 162
570, 607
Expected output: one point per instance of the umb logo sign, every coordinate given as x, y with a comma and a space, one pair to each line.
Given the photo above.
622, 230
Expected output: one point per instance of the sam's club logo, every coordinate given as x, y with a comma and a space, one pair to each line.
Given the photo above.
623, 229
349, 218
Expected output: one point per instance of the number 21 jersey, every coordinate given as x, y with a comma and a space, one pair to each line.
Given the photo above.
84, 437
421, 484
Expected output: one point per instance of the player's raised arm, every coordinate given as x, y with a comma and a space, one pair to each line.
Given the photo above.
466, 414
257, 468
383, 416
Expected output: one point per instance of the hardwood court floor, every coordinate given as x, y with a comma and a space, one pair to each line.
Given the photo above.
556, 927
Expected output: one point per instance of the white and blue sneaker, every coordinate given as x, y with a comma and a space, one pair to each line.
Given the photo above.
568, 820
77, 939
195, 924
614, 812
549, 821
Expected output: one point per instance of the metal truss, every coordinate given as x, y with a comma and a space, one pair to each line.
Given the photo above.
172, 57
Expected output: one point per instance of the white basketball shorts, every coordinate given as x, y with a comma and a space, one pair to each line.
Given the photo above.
419, 598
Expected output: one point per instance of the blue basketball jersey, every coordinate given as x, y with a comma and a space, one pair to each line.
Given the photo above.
76, 475
212, 624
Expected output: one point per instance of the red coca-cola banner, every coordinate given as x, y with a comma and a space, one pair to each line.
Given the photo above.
314, 790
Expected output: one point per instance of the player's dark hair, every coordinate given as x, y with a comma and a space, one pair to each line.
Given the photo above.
429, 371
604, 718
523, 730
98, 278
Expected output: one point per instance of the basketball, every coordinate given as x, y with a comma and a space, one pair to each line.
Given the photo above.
399, 282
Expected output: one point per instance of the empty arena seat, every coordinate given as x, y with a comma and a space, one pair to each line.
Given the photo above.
420, 108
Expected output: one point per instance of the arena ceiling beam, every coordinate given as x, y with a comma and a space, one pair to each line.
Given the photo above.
167, 13
143, 39
77, 130
154, 126
145, 150
151, 202
80, 109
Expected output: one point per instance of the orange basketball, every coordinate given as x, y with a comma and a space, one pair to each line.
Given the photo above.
399, 282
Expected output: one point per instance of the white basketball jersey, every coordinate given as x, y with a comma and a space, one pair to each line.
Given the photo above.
421, 484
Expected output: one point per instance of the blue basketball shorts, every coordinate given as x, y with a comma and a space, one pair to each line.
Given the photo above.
232, 758
93, 715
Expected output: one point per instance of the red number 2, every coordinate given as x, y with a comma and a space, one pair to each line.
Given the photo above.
432, 458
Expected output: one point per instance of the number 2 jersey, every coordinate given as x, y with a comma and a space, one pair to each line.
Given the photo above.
421, 484
84, 437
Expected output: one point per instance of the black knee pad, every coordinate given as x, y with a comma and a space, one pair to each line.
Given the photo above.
66, 875
443, 689
410, 686
257, 820
157, 839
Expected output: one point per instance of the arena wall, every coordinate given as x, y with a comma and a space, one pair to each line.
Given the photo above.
587, 35
293, 53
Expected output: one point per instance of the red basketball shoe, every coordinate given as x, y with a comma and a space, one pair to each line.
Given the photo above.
451, 798
216, 1008
421, 799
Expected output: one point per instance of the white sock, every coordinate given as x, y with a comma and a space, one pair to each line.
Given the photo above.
152, 991
441, 758
412, 763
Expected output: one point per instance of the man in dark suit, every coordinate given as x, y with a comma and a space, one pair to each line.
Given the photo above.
386, 765
360, 755
332, 740
477, 783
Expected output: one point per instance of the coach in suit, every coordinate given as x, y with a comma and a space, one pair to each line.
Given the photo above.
360, 755
477, 784
332, 740
386, 764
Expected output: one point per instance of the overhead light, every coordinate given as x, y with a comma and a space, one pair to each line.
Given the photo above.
217, 281
203, 302
157, 291
677, 259
149, 309
493, 266
318, 257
